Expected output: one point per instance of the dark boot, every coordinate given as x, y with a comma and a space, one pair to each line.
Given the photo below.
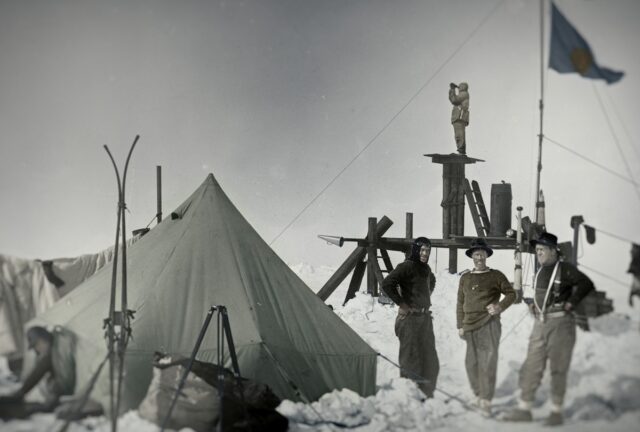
518, 415
554, 419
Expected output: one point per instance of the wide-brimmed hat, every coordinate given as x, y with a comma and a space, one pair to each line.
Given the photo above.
545, 239
479, 243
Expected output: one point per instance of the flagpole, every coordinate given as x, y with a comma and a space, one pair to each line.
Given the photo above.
541, 108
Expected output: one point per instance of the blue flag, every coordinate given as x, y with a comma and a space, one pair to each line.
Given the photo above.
571, 53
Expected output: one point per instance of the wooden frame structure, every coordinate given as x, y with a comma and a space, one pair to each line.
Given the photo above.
365, 256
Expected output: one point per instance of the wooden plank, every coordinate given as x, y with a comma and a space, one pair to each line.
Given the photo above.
378, 274
453, 260
356, 281
349, 264
408, 232
400, 244
452, 158
372, 259
387, 260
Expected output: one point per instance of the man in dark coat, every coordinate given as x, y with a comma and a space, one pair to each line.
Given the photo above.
559, 287
410, 286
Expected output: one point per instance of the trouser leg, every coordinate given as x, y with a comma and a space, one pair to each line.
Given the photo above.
560, 347
431, 362
417, 356
471, 363
459, 134
408, 355
533, 367
488, 341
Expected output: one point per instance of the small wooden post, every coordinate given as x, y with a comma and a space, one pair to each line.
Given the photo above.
159, 193
356, 281
372, 257
446, 203
460, 199
576, 221
408, 231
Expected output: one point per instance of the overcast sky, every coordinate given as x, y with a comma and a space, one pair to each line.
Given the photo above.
276, 97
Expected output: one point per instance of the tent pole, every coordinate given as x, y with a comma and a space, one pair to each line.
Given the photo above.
196, 348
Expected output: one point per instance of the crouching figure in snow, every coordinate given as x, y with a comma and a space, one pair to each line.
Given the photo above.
414, 327
54, 366
559, 287
478, 320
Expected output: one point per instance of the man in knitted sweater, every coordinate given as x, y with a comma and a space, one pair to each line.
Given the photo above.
478, 319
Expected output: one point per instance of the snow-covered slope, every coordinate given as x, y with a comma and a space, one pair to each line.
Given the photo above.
603, 391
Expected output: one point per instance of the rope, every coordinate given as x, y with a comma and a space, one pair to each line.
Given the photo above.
515, 326
624, 126
609, 170
422, 379
297, 392
615, 139
384, 128
615, 236
151, 221
604, 275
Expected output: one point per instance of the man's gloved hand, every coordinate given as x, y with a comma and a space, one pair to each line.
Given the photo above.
461, 333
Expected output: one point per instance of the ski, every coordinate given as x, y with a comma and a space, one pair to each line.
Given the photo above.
117, 341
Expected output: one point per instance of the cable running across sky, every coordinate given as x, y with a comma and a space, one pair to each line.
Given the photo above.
375, 137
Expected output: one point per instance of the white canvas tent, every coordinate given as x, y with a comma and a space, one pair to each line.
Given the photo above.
207, 254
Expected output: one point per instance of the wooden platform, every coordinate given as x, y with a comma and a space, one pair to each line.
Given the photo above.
452, 158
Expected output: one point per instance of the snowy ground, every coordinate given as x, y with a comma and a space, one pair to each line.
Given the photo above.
603, 391
604, 382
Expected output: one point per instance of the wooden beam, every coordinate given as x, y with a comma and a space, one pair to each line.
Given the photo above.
372, 258
356, 281
408, 231
378, 275
387, 260
352, 260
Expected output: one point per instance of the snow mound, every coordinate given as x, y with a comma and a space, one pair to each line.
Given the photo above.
603, 388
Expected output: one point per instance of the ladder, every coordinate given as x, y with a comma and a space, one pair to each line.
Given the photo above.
477, 207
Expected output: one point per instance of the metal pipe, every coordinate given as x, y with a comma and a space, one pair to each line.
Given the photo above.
540, 107
517, 277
